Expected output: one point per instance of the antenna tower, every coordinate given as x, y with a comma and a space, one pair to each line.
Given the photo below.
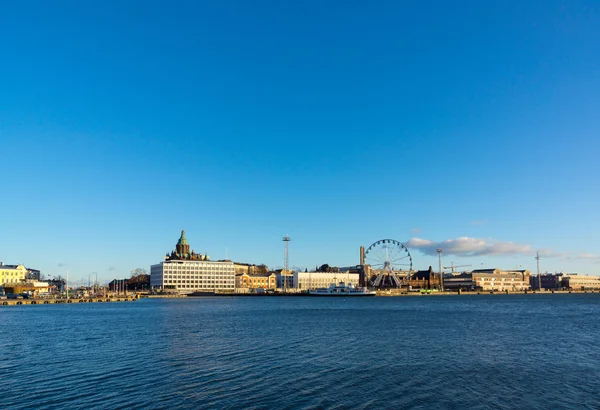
439, 251
286, 240
537, 258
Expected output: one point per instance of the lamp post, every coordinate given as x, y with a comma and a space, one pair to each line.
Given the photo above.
439, 251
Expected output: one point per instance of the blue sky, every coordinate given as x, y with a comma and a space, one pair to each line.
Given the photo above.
470, 126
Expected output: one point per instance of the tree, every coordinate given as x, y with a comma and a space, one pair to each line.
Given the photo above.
138, 271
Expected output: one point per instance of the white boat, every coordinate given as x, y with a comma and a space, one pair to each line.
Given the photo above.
341, 289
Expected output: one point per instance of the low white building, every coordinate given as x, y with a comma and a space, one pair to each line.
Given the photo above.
193, 276
314, 280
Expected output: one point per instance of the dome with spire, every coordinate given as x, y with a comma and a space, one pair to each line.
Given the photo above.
182, 251
182, 239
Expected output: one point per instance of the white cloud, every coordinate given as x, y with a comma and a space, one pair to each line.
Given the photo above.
550, 253
587, 256
415, 230
466, 246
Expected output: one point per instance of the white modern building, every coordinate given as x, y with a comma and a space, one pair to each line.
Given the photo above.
314, 280
286, 280
186, 271
192, 276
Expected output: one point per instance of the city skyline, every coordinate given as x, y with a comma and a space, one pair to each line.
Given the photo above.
467, 127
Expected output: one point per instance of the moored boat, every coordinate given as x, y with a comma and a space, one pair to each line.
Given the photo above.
342, 289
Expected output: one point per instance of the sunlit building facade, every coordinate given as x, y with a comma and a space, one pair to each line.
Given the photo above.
12, 274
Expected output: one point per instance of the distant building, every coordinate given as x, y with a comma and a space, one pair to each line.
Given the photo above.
580, 282
139, 282
57, 284
33, 274
424, 279
118, 285
250, 269
550, 281
12, 274
314, 280
568, 281
185, 271
285, 279
489, 280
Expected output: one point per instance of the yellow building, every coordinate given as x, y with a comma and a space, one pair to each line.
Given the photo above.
266, 281
11, 274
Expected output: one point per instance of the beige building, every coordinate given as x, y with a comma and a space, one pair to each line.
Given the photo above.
12, 274
580, 282
490, 280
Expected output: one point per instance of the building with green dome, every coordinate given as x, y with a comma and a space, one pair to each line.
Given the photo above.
185, 271
182, 251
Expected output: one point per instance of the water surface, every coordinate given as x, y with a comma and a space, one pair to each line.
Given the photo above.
449, 352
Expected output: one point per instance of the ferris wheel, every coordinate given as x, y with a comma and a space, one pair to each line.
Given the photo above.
388, 258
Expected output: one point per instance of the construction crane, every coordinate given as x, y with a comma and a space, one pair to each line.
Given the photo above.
452, 266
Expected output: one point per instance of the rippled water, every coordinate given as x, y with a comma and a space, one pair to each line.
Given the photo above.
484, 351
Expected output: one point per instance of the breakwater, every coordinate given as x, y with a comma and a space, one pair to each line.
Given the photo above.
18, 302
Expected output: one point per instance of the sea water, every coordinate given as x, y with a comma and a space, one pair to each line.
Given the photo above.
450, 352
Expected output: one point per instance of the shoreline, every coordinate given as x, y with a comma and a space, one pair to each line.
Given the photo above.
383, 293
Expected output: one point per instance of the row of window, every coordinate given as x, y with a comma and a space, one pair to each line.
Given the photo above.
183, 286
171, 276
196, 268
197, 281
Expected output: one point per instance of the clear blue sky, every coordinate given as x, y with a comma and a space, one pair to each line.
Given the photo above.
336, 122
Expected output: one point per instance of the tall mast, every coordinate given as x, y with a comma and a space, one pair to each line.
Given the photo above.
537, 257
286, 240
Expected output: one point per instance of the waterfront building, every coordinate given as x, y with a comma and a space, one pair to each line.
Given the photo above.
550, 281
314, 280
285, 279
185, 271
489, 280
580, 282
12, 274
571, 281
258, 281
423, 279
